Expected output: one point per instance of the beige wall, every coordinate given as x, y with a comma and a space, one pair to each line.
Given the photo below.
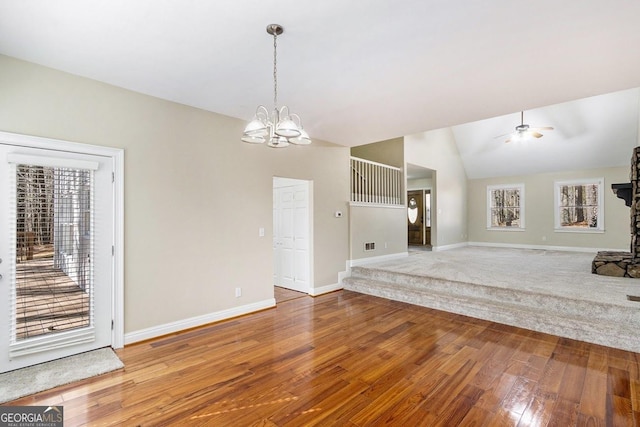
389, 152
539, 212
195, 196
385, 226
437, 150
419, 184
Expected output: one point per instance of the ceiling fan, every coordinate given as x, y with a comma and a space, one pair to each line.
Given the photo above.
524, 130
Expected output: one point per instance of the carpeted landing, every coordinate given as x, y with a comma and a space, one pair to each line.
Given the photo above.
545, 291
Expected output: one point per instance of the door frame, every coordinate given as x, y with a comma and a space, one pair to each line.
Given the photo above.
117, 156
421, 215
278, 182
428, 191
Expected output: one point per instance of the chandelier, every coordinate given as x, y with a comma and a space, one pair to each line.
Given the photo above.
278, 128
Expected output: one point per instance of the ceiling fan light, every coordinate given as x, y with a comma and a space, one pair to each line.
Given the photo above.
287, 128
522, 136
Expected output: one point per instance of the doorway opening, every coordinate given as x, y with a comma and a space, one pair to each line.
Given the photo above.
421, 221
292, 238
62, 234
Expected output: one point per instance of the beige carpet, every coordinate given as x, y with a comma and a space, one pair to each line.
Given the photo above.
37, 378
546, 291
559, 273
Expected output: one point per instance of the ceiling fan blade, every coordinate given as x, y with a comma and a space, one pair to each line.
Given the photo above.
542, 128
523, 129
503, 135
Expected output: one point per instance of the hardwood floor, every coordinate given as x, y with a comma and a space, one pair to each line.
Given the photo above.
349, 359
283, 294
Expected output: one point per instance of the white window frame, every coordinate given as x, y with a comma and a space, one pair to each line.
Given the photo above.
556, 206
117, 156
490, 190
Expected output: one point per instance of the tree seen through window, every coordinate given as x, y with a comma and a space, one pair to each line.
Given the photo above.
505, 207
579, 205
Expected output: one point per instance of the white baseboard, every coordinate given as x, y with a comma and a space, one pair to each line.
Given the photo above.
344, 274
543, 247
325, 289
180, 325
371, 260
449, 247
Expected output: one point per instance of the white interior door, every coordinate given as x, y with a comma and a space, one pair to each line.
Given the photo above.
56, 240
291, 241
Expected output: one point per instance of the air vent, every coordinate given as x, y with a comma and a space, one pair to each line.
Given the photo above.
371, 246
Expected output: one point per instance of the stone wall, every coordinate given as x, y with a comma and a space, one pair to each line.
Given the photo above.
635, 205
625, 264
618, 264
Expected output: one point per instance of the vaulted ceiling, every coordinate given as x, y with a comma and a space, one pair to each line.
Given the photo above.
595, 132
357, 71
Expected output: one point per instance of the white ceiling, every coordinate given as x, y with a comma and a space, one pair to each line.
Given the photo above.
356, 71
598, 131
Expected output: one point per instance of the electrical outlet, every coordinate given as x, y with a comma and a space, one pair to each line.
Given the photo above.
238, 292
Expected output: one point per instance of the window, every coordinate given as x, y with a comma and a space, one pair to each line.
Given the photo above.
412, 210
579, 205
505, 207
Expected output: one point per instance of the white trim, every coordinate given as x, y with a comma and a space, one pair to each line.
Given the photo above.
377, 205
556, 205
314, 292
55, 144
117, 156
29, 159
192, 322
520, 188
52, 342
283, 182
325, 289
579, 230
118, 244
544, 247
375, 163
344, 274
449, 247
374, 259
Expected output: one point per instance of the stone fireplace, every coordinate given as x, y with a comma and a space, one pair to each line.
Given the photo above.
625, 264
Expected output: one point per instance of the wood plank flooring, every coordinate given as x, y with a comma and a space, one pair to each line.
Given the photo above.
283, 294
47, 299
349, 359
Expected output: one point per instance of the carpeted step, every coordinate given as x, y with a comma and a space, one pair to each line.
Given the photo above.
577, 306
589, 321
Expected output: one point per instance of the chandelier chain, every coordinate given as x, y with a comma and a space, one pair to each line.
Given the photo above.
279, 127
275, 70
